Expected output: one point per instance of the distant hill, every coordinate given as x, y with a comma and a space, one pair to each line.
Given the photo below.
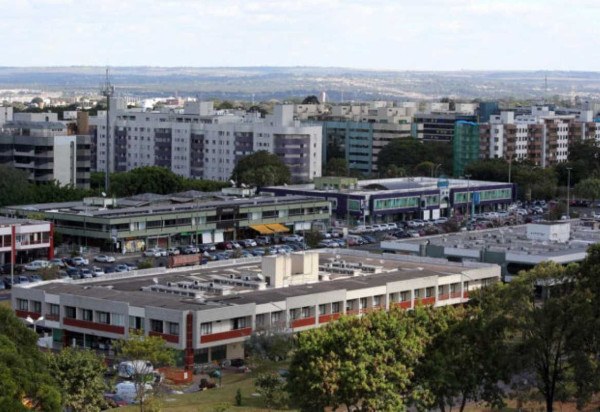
286, 82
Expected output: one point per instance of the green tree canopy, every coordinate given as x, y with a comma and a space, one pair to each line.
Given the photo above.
261, 169
80, 375
23, 369
363, 363
336, 167
588, 188
407, 153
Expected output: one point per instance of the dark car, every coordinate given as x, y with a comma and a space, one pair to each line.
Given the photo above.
5, 269
225, 246
73, 272
109, 269
369, 238
35, 278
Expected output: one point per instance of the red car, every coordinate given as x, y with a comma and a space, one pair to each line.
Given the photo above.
225, 246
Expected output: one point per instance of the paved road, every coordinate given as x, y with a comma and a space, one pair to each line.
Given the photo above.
4, 295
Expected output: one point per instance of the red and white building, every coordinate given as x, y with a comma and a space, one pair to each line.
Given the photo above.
25, 240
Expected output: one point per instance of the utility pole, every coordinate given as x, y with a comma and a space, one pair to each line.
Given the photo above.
107, 90
569, 192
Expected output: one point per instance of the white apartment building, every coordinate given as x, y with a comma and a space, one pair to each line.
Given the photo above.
200, 142
542, 136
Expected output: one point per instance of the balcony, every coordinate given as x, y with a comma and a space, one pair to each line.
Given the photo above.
102, 327
425, 301
301, 323
230, 334
444, 296
329, 317
24, 314
54, 318
455, 295
167, 337
405, 304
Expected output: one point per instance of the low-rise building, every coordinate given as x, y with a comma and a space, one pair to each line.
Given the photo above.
144, 221
392, 200
25, 239
514, 248
206, 313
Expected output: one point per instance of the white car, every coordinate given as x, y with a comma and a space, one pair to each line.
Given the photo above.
440, 221
96, 271
58, 262
36, 265
596, 215
80, 261
173, 251
293, 238
151, 253
162, 252
104, 259
392, 226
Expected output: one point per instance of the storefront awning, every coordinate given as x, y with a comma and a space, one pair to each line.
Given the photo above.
262, 229
278, 228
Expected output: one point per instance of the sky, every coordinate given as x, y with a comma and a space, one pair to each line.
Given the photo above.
370, 34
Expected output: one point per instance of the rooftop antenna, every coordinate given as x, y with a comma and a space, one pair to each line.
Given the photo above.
107, 90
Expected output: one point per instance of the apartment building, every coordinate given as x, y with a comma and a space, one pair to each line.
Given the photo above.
200, 142
25, 240
6, 114
540, 135
358, 132
42, 147
206, 313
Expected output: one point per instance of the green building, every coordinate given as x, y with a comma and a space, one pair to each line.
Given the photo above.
465, 146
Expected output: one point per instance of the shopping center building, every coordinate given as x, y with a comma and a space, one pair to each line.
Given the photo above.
207, 312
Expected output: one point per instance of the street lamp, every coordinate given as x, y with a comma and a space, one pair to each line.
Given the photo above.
33, 322
569, 192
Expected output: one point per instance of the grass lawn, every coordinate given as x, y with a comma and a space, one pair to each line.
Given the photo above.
210, 400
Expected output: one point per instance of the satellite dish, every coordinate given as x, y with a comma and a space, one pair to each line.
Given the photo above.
103, 194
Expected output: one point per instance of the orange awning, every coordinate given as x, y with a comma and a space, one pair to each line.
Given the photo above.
278, 228
262, 229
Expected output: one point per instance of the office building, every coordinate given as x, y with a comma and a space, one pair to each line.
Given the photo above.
206, 313
25, 239
399, 199
465, 146
144, 221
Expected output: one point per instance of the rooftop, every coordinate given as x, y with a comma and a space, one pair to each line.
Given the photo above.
166, 290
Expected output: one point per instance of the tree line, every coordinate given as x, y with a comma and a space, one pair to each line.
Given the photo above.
536, 337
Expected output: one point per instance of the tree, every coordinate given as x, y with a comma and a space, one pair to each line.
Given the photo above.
23, 369
407, 153
465, 360
312, 99
140, 349
425, 168
336, 167
148, 179
261, 169
14, 186
313, 238
364, 364
224, 105
588, 189
548, 340
80, 375
394, 171
271, 388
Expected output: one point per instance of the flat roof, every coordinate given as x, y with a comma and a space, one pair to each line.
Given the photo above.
159, 204
5, 221
511, 239
128, 288
402, 184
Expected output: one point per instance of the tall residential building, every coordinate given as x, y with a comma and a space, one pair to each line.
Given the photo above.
201, 142
465, 146
439, 126
540, 136
358, 133
487, 109
40, 146
6, 114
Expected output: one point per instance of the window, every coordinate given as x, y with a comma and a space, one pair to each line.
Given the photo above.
22, 304
238, 323
335, 307
117, 319
322, 309
156, 325
88, 315
429, 292
306, 312
377, 301
136, 322
404, 296
206, 328
173, 328
260, 320
70, 312
417, 293
53, 309
103, 317
362, 304
275, 317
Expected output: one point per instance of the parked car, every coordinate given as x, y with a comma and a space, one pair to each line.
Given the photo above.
56, 262
85, 273
162, 252
96, 271
80, 261
110, 269
190, 250
441, 220
173, 251
392, 226
35, 278
130, 266
151, 253
293, 238
248, 242
37, 265
225, 246
236, 245
263, 240
104, 259
122, 268
369, 239
73, 272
